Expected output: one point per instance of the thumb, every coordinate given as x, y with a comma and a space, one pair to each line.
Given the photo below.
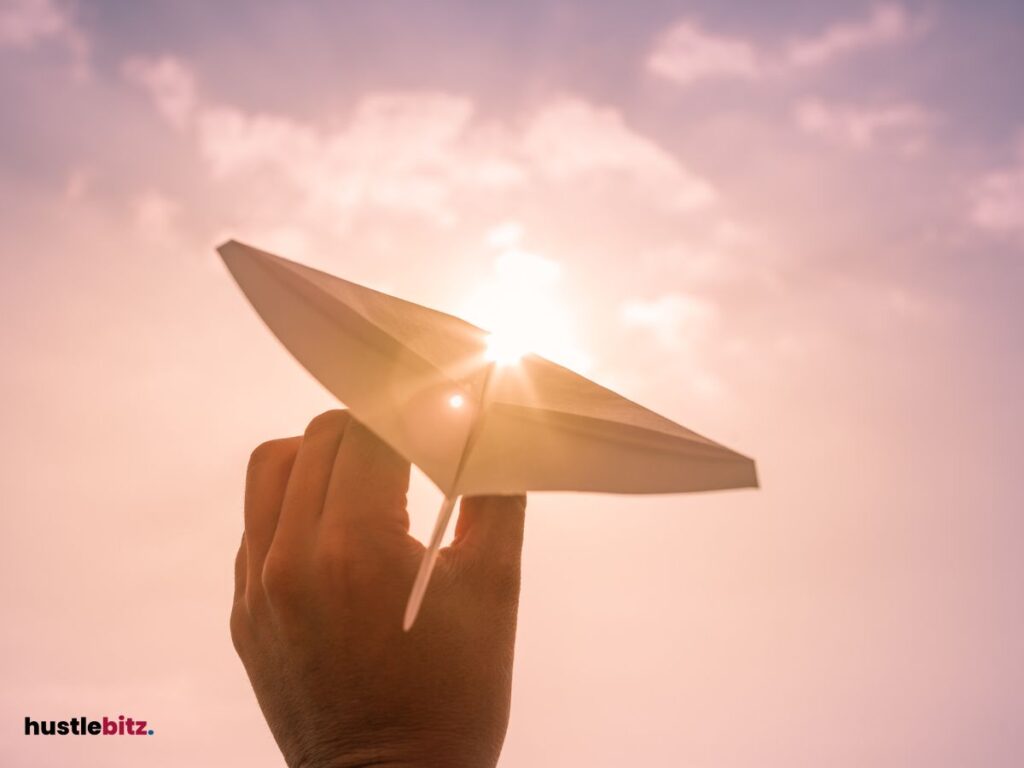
490, 528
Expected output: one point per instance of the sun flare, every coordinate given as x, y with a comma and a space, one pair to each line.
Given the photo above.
520, 307
506, 349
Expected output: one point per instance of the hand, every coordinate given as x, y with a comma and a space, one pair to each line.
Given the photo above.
321, 581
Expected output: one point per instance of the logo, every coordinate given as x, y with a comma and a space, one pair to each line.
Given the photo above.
83, 726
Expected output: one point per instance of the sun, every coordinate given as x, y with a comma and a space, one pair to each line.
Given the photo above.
506, 349
520, 308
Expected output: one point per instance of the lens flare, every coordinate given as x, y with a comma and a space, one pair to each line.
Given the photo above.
505, 349
520, 304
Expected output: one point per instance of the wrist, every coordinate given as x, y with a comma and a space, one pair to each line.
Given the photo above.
428, 748
349, 762
356, 761
368, 761
386, 758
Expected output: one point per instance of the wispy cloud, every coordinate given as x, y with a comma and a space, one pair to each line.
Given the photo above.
415, 152
155, 215
569, 138
686, 53
997, 197
673, 318
886, 24
680, 324
409, 152
903, 126
505, 235
27, 23
170, 84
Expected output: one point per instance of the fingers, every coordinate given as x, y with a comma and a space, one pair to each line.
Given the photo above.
307, 498
265, 481
310, 477
490, 529
368, 486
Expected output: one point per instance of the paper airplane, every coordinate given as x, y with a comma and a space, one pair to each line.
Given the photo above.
428, 384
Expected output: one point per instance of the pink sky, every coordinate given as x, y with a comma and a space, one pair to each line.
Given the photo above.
800, 232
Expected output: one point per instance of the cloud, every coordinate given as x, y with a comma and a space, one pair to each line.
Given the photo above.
154, 215
720, 252
505, 235
170, 84
903, 125
686, 53
404, 152
997, 198
673, 319
417, 152
681, 325
26, 23
23, 23
399, 160
570, 138
887, 24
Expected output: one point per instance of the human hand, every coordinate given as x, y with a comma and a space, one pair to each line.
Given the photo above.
321, 580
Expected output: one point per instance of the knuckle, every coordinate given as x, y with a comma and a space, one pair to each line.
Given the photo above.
366, 570
281, 583
337, 566
241, 558
361, 534
328, 562
345, 566
238, 623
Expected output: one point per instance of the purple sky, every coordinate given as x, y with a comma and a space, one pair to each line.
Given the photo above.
798, 230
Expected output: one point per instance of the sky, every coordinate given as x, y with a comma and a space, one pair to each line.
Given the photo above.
795, 228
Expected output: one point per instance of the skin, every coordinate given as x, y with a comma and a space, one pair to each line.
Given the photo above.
321, 580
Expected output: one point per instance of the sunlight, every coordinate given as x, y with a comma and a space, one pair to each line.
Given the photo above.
506, 349
521, 308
